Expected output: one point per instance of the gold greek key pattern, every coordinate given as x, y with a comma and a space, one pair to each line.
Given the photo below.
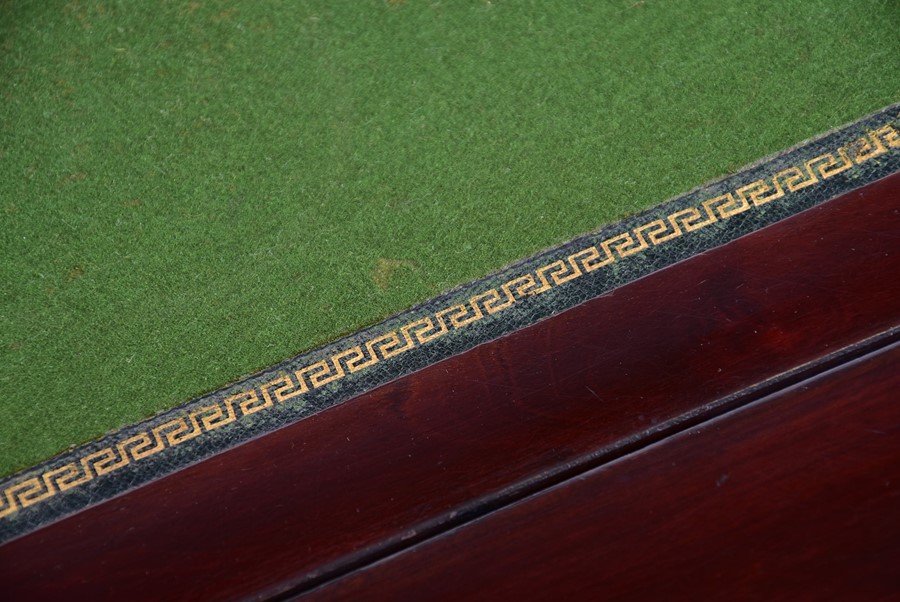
289, 385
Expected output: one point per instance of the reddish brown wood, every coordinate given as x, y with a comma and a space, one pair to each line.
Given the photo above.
796, 497
379, 471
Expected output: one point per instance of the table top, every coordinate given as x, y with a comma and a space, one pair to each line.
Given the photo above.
192, 191
732, 412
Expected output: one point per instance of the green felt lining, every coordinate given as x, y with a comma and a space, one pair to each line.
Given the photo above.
190, 191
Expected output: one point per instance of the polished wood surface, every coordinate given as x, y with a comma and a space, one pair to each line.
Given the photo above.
472, 433
795, 497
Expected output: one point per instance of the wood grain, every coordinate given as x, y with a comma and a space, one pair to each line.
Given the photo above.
471, 433
796, 497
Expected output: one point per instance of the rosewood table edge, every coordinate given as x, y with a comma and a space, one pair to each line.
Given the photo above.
873, 353
478, 508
